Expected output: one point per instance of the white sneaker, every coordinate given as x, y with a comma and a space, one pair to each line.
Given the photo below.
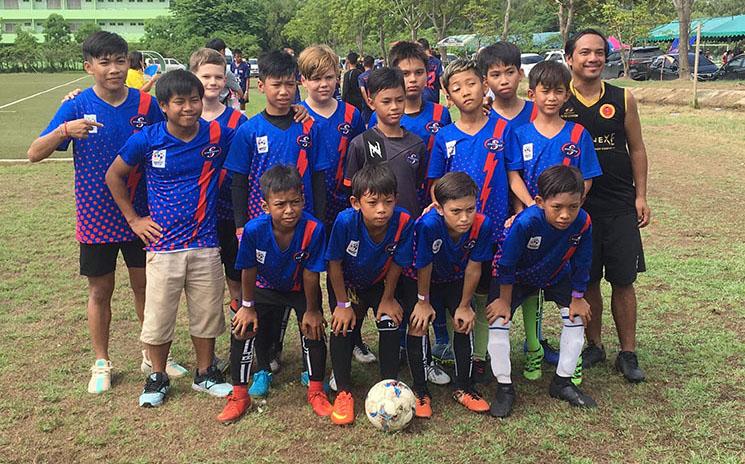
173, 369
332, 382
436, 375
100, 376
363, 354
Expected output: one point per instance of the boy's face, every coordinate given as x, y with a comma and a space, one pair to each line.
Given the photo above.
561, 210
415, 76
466, 90
285, 208
279, 91
588, 59
389, 105
322, 85
108, 72
377, 210
183, 110
503, 80
238, 58
549, 101
213, 80
458, 214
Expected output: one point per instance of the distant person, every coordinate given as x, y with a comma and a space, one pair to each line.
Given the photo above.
136, 73
350, 90
368, 64
231, 82
242, 70
297, 98
434, 73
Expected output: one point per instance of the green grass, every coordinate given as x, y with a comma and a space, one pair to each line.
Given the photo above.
691, 328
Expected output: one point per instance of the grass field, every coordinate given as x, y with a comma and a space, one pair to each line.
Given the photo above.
691, 329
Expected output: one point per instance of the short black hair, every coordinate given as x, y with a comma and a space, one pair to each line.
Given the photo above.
550, 74
277, 64
216, 44
560, 179
135, 60
178, 82
424, 43
385, 78
405, 50
101, 44
280, 178
237, 51
571, 44
374, 179
368, 61
454, 186
504, 53
352, 58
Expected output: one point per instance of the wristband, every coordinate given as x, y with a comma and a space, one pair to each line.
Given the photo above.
248, 303
64, 125
421, 297
344, 304
577, 294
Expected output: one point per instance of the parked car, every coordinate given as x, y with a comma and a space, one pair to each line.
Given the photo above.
735, 69
528, 60
556, 55
173, 63
639, 61
254, 67
665, 67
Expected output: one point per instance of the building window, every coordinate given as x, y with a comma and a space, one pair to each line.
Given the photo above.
54, 4
10, 27
73, 4
10, 4
121, 24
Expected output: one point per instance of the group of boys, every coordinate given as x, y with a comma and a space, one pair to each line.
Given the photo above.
444, 218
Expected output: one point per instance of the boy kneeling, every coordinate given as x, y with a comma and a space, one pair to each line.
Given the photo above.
549, 247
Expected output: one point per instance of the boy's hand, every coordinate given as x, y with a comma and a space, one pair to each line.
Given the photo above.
580, 307
509, 221
239, 233
245, 323
422, 315
301, 113
496, 309
79, 128
148, 230
486, 105
342, 321
463, 319
390, 307
71, 95
313, 325
428, 208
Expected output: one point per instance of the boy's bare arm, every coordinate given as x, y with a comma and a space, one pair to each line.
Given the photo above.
517, 185
145, 228
45, 145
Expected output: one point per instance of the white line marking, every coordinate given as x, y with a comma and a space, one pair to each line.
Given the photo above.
42, 92
25, 161
9, 111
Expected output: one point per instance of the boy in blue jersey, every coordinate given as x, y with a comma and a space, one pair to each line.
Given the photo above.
451, 242
367, 64
98, 122
281, 255
548, 247
182, 159
370, 243
434, 73
475, 145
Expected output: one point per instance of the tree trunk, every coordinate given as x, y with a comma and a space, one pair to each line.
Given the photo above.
382, 44
506, 24
566, 13
683, 7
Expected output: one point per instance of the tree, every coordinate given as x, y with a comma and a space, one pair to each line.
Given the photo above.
56, 30
719, 7
26, 50
565, 14
630, 21
442, 14
411, 14
506, 23
683, 8
85, 31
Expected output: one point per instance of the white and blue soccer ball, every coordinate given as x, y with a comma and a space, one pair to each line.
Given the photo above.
390, 405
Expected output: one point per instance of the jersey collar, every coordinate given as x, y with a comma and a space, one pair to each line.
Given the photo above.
584, 101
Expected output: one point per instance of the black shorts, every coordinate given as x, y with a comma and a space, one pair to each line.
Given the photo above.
99, 259
442, 296
561, 293
273, 300
228, 248
617, 252
361, 299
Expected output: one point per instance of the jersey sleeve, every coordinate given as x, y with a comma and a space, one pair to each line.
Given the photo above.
241, 152
226, 138
361, 81
483, 249
404, 254
446, 119
320, 158
423, 238
335, 248
316, 260
154, 114
134, 150
588, 160
355, 159
358, 124
581, 261
246, 257
65, 113
513, 156
438, 158
373, 119
512, 247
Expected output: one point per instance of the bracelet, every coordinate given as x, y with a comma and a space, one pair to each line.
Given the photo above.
344, 304
248, 303
576, 294
64, 125
421, 297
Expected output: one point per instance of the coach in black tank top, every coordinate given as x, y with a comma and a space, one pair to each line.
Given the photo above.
617, 202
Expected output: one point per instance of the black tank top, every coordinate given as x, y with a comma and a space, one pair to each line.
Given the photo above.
613, 193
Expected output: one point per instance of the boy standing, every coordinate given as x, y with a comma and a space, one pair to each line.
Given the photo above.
281, 255
434, 73
182, 158
362, 79
98, 122
548, 247
242, 71
370, 243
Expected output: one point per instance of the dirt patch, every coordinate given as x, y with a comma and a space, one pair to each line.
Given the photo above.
707, 98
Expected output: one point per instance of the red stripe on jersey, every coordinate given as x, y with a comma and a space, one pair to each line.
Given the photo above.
133, 180
478, 221
403, 219
235, 116
144, 106
302, 157
214, 132
310, 227
533, 113
204, 182
490, 165
221, 179
344, 145
570, 252
574, 137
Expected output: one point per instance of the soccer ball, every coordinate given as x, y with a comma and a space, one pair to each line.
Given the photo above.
390, 405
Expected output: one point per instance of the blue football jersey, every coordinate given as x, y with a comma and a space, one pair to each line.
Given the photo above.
525, 116
232, 119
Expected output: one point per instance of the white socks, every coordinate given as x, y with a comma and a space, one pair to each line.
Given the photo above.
572, 339
499, 350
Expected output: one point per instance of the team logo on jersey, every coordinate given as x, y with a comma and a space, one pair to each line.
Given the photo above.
303, 141
527, 152
574, 239
159, 158
569, 113
450, 147
211, 151
570, 150
138, 121
344, 128
391, 248
262, 144
260, 256
535, 242
353, 248
301, 256
433, 126
413, 159
374, 150
494, 144
607, 111
436, 245
469, 244
91, 118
